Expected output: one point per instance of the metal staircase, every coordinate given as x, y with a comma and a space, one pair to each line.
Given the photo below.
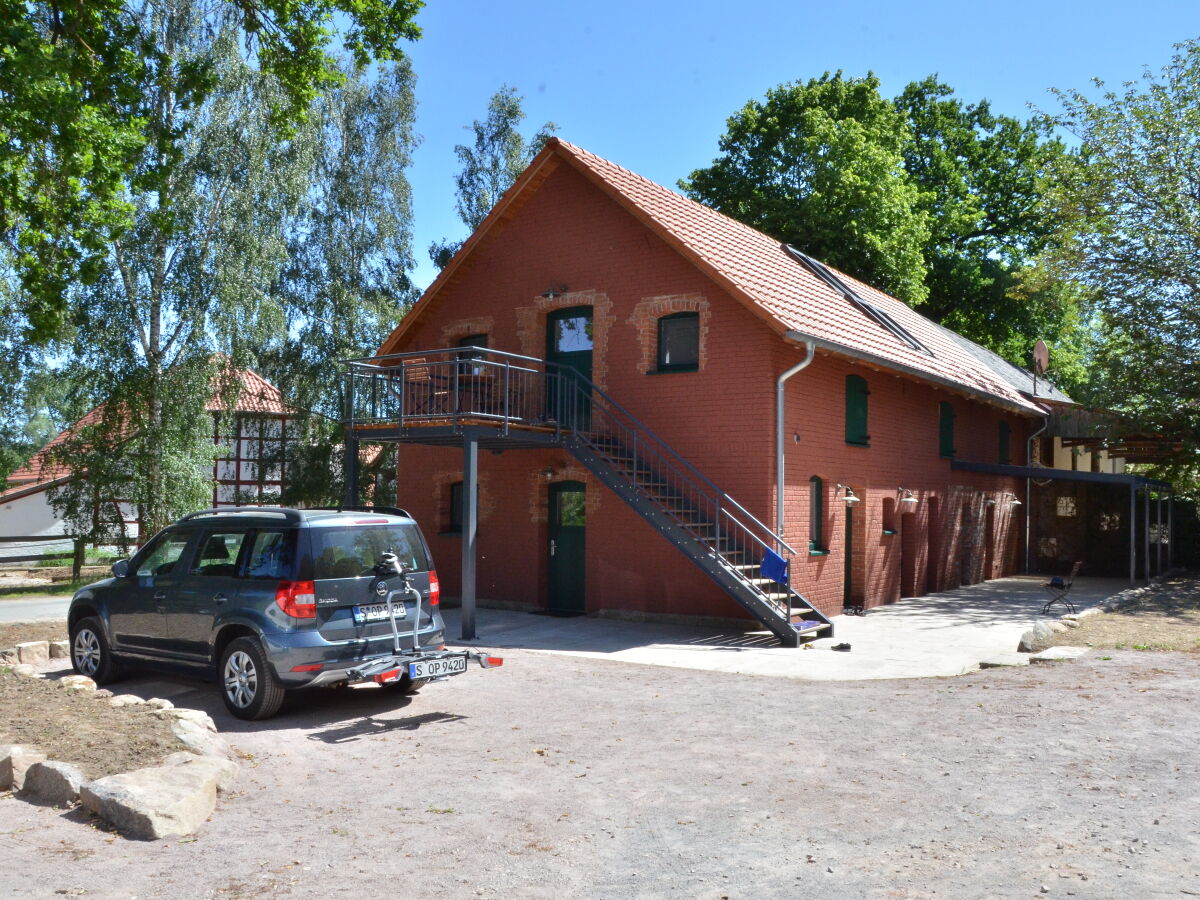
521, 397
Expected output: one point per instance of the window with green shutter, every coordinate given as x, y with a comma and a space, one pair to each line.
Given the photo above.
856, 411
1005, 451
946, 429
816, 515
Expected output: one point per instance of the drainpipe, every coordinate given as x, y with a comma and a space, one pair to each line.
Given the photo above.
1029, 487
809, 352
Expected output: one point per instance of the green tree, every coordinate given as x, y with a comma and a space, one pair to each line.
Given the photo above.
210, 192
1131, 236
983, 180
71, 76
347, 281
489, 167
821, 165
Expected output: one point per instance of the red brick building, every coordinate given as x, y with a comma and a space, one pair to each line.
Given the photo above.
684, 321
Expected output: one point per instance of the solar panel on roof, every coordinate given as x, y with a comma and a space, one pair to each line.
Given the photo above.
880, 316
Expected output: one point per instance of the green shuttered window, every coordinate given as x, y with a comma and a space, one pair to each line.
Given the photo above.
945, 429
856, 411
816, 515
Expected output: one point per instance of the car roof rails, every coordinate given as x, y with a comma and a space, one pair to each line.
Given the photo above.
273, 512
383, 510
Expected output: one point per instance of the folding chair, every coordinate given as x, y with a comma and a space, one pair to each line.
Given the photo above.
426, 392
1059, 589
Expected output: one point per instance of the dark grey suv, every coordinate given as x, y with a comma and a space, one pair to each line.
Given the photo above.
270, 599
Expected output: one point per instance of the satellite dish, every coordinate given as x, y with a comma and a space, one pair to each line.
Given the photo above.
1041, 358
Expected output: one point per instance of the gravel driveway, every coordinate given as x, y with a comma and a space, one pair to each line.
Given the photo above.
558, 776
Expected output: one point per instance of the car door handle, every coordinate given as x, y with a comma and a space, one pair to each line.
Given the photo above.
219, 598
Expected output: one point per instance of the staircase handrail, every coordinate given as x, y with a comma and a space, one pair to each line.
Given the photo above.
584, 384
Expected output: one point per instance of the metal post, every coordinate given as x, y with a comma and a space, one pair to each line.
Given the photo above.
470, 517
1146, 535
1132, 535
1171, 529
350, 467
77, 559
1159, 543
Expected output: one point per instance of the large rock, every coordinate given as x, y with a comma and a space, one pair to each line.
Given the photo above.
32, 652
15, 761
165, 801
1060, 654
199, 717
25, 670
160, 703
226, 770
125, 700
77, 683
60, 649
1028, 642
199, 739
52, 782
8, 656
1042, 631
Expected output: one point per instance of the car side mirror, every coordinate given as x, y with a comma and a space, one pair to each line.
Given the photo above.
120, 568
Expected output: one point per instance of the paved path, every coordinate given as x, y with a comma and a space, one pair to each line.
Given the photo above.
936, 635
33, 608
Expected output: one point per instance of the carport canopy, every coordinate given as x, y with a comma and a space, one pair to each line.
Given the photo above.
1135, 483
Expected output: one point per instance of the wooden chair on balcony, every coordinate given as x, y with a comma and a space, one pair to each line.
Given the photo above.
425, 392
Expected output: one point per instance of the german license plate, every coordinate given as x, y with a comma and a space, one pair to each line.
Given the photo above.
435, 668
376, 612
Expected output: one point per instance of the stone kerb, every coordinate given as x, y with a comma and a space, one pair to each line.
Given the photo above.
172, 799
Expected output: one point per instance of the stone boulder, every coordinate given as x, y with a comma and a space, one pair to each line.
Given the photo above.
25, 670
32, 652
60, 649
199, 739
125, 700
160, 802
54, 783
77, 683
8, 656
15, 761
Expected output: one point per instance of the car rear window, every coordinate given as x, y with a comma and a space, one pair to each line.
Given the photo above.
352, 551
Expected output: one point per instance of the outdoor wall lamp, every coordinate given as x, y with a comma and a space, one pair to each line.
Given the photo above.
552, 291
1013, 501
849, 495
548, 473
906, 496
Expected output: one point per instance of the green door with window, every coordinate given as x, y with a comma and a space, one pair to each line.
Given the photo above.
569, 346
568, 518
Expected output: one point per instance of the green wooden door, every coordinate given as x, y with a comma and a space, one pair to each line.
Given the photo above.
568, 520
569, 344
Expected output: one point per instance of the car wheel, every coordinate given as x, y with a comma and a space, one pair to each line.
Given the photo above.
405, 685
90, 653
248, 684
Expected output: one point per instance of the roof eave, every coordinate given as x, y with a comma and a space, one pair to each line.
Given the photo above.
1032, 409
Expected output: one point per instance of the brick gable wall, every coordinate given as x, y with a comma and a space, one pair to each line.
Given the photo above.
569, 236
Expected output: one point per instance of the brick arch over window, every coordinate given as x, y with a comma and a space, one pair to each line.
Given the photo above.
460, 328
531, 327
645, 319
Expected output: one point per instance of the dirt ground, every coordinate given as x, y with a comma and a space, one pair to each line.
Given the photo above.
558, 776
12, 634
1164, 616
80, 728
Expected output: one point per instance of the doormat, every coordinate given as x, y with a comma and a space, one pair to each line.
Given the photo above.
558, 613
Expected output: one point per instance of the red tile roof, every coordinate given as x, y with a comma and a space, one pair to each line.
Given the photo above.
757, 270
257, 396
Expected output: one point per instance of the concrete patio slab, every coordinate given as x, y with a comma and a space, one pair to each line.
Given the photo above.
943, 634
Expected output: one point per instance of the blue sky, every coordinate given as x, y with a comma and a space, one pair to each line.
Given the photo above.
650, 84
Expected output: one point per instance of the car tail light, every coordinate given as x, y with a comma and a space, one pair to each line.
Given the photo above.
435, 588
494, 661
310, 667
297, 599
